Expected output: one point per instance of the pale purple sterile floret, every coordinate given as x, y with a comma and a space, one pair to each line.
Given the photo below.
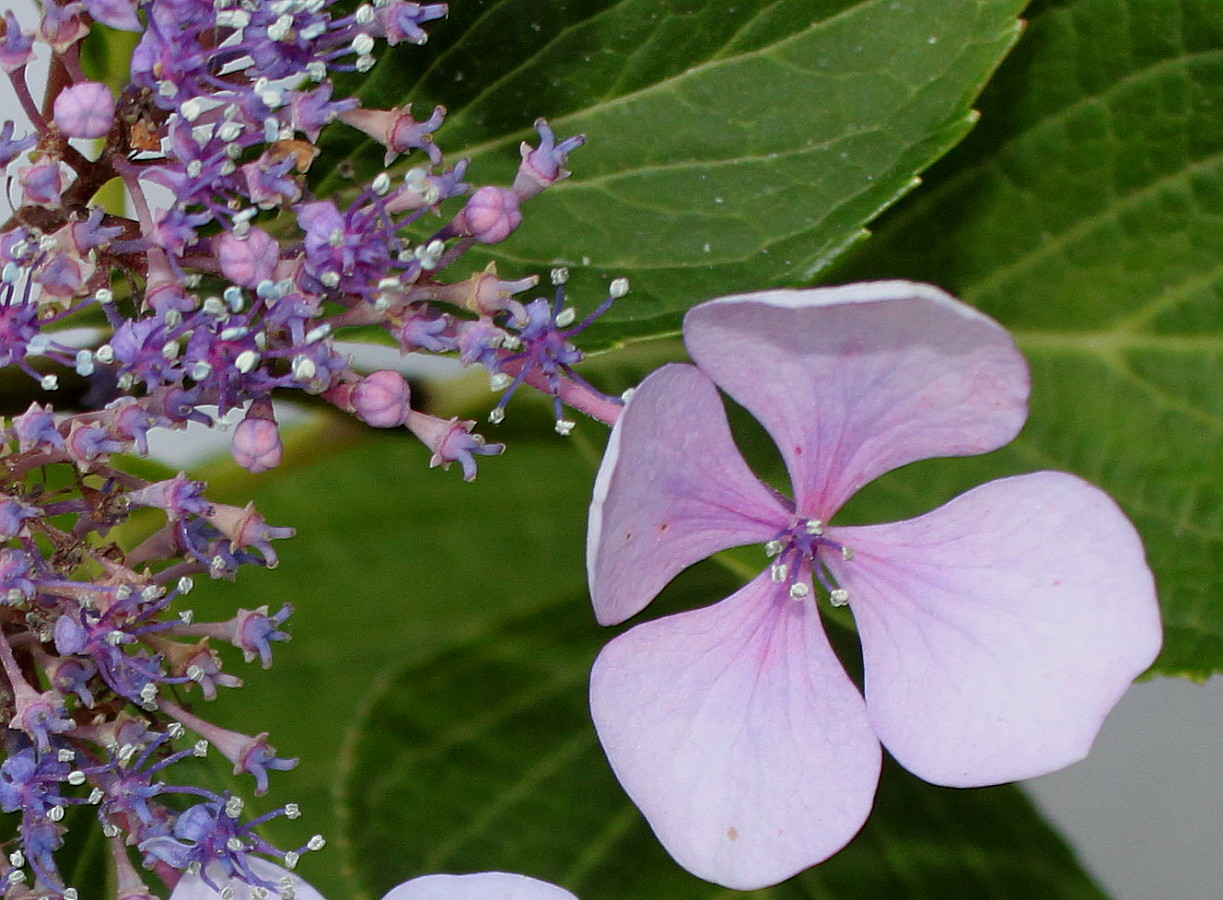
997, 631
85, 110
476, 886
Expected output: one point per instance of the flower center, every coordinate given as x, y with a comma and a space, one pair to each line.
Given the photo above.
796, 559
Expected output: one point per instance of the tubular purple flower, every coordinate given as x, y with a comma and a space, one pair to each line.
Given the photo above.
997, 631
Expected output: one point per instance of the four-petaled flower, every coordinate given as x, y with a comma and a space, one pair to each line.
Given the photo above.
477, 886
997, 631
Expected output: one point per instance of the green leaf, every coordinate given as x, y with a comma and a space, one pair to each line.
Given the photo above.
483, 757
391, 561
730, 146
1084, 213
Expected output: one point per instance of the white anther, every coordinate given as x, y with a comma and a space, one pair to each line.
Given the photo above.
779, 572
195, 673
282, 28
173, 318
499, 381
233, 18
628, 395
234, 807
364, 14
17, 877
566, 317
292, 811
559, 275
304, 368
96, 796
290, 859
175, 730
362, 44
191, 109
38, 344
330, 279
11, 273
63, 754
195, 168
316, 70
104, 295
227, 892
148, 693
318, 333
170, 350
847, 553
496, 416
200, 748
511, 342
381, 185
201, 370
313, 31
772, 548
271, 128
317, 842
49, 382
229, 131
564, 427
213, 306
799, 590
115, 638
84, 363
185, 584
55, 813
71, 894
76, 777
187, 616
234, 844
618, 288
110, 830
246, 361
839, 597
814, 526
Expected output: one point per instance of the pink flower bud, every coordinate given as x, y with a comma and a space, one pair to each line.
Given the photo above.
256, 445
248, 260
491, 215
85, 110
381, 399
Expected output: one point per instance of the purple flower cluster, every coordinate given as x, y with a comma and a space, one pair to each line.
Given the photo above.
227, 283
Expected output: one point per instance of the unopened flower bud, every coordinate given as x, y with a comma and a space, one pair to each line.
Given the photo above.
491, 215
381, 399
256, 444
85, 110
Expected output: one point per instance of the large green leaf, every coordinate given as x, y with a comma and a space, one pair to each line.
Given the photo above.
483, 757
732, 146
1085, 213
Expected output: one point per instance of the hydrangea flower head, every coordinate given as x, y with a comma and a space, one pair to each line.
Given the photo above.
997, 631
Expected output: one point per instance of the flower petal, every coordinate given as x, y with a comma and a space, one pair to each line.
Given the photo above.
738, 734
192, 887
478, 886
672, 489
999, 630
854, 381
